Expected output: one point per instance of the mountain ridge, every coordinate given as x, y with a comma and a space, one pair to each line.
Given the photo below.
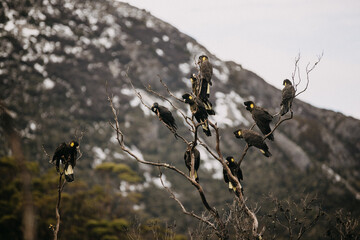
59, 56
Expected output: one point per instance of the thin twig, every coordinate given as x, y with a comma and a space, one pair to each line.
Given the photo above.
243, 154
280, 121
296, 71
308, 71
182, 206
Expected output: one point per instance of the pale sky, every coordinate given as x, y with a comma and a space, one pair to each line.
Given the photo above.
265, 36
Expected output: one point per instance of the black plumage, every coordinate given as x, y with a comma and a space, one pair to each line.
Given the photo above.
204, 98
164, 115
261, 117
208, 106
253, 138
288, 94
187, 159
206, 72
194, 84
67, 155
235, 170
198, 110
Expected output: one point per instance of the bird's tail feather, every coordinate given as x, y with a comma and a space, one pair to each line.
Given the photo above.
195, 175
266, 152
271, 137
206, 129
69, 173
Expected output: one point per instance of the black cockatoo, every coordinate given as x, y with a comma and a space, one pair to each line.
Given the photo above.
187, 158
288, 94
253, 138
164, 115
262, 118
195, 90
235, 170
206, 72
198, 110
67, 154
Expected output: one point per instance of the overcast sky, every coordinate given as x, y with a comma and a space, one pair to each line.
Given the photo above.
265, 36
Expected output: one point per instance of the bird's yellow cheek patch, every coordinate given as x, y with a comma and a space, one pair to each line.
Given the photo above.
204, 58
190, 97
71, 144
251, 105
232, 159
239, 133
285, 84
262, 151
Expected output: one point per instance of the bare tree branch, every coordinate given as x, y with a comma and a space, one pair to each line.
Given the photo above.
296, 71
182, 206
308, 71
57, 209
216, 223
120, 139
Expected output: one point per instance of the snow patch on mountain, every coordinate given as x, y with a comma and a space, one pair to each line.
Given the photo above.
227, 112
185, 68
100, 156
48, 84
338, 179
209, 163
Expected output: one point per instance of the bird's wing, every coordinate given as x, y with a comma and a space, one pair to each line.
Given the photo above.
226, 178
239, 174
288, 92
73, 157
187, 159
60, 151
166, 116
201, 107
197, 159
206, 70
265, 114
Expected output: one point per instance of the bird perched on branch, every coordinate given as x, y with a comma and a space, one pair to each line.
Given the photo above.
164, 115
253, 138
67, 155
198, 110
206, 72
261, 117
235, 170
187, 158
288, 95
195, 90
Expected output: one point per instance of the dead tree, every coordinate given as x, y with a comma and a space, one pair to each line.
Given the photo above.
215, 222
61, 184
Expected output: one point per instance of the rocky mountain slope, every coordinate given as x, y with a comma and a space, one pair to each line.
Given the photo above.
58, 56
